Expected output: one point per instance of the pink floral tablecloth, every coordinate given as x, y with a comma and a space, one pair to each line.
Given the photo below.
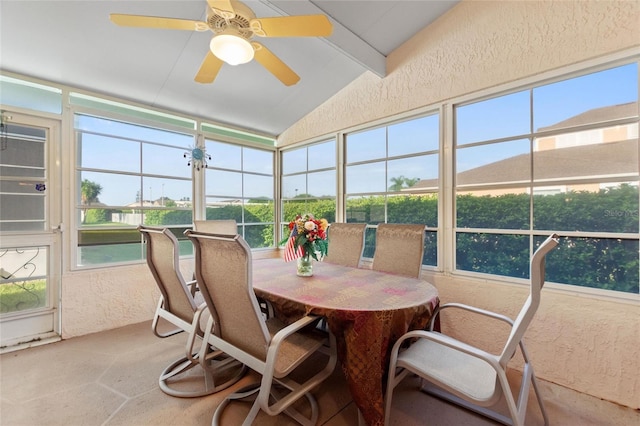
366, 310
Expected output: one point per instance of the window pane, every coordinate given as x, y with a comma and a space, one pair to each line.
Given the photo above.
22, 210
413, 136
224, 183
430, 257
167, 192
224, 208
257, 160
506, 255
367, 145
319, 208
113, 253
569, 99
30, 95
161, 160
494, 164
407, 172
606, 263
587, 180
508, 210
495, 118
111, 189
322, 156
291, 208
364, 178
369, 243
613, 209
369, 210
322, 184
103, 152
413, 209
259, 236
256, 186
258, 211
165, 217
294, 161
23, 154
294, 185
224, 155
132, 131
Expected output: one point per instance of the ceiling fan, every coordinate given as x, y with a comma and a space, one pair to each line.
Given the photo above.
234, 24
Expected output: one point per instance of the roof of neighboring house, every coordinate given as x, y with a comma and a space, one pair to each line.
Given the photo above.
597, 115
580, 161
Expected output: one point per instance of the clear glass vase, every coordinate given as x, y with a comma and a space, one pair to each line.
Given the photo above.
305, 266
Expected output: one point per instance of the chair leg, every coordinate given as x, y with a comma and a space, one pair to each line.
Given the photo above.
250, 392
245, 392
534, 382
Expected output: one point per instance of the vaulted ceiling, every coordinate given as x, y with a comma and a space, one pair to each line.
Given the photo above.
74, 43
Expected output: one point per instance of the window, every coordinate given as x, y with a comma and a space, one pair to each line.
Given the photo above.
556, 157
391, 176
25, 94
309, 182
240, 185
128, 174
23, 178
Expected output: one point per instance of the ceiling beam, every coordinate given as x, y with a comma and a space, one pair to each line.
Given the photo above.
342, 38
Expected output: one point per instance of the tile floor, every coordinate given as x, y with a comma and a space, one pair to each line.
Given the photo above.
111, 378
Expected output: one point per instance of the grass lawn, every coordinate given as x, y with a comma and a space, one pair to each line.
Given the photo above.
22, 295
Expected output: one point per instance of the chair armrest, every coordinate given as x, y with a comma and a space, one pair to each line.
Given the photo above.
469, 309
450, 342
281, 335
192, 286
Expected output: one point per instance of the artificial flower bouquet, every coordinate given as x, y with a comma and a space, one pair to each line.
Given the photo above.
307, 238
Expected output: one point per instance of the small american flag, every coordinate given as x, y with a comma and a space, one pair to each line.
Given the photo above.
289, 252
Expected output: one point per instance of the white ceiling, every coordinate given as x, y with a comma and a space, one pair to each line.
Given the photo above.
74, 43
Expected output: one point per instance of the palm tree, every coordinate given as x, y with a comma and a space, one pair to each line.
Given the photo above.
89, 194
402, 182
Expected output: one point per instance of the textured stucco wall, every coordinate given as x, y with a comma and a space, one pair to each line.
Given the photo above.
477, 45
584, 343
102, 299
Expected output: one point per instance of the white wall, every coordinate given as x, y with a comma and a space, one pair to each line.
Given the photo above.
582, 342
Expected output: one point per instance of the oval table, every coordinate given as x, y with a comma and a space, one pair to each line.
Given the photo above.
366, 310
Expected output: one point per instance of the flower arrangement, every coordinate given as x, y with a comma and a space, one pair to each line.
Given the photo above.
307, 238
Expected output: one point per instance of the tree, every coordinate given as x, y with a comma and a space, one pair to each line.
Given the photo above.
89, 194
401, 182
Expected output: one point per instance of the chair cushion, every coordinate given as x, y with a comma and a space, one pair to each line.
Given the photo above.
454, 371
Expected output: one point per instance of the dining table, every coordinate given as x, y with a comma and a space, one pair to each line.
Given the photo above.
366, 310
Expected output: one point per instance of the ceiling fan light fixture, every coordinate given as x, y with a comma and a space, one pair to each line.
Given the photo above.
231, 48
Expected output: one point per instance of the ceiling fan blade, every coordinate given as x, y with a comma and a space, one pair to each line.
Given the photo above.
157, 22
222, 8
209, 69
292, 26
271, 62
